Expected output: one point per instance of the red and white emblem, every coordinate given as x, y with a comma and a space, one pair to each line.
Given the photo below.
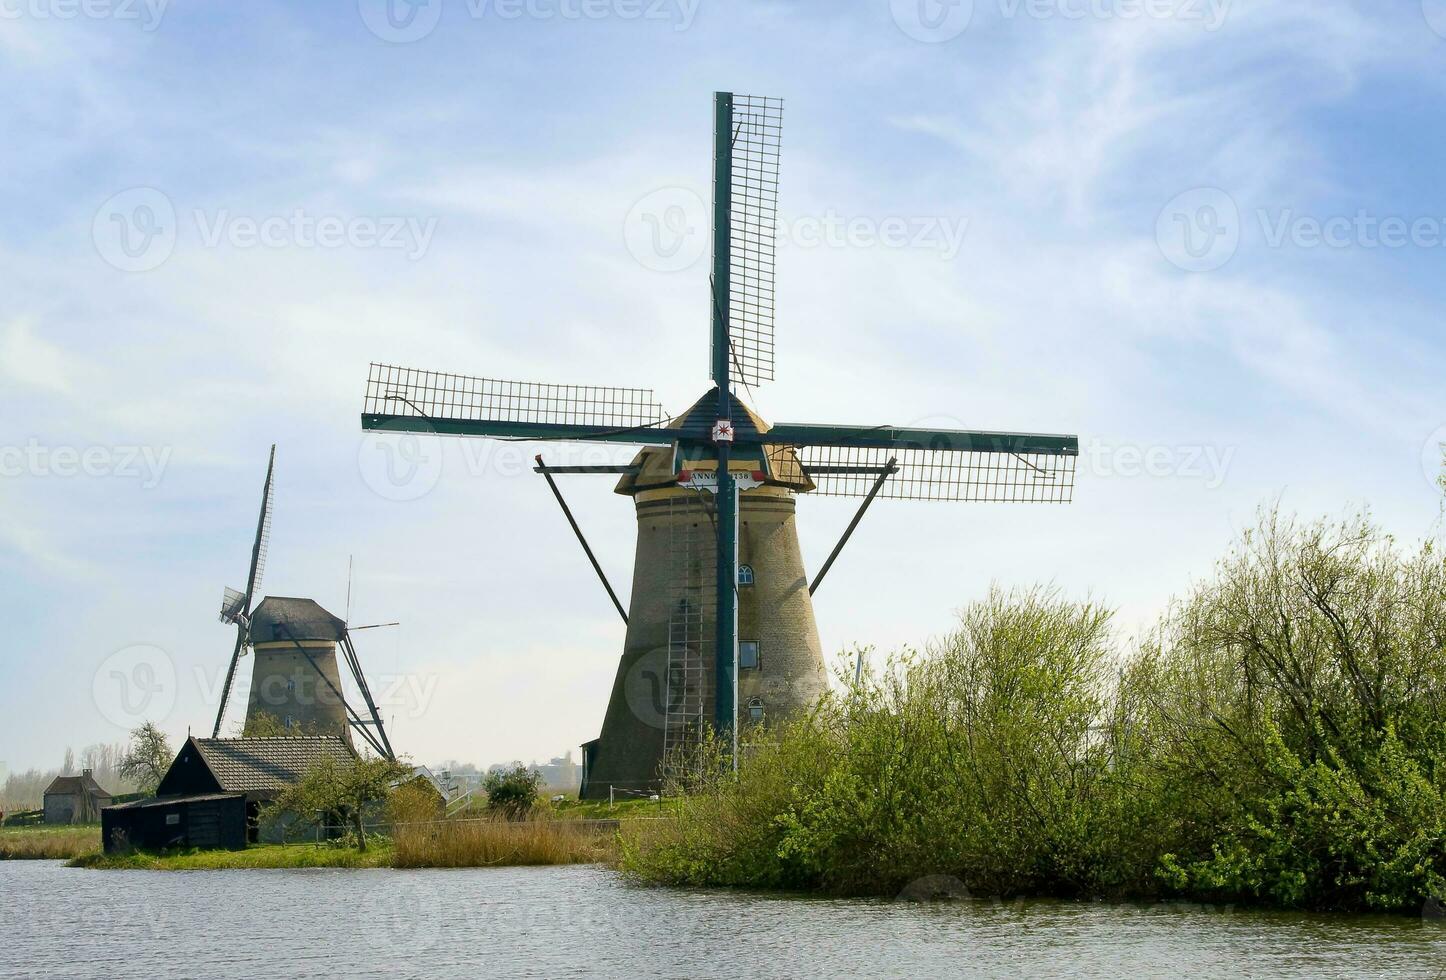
723, 431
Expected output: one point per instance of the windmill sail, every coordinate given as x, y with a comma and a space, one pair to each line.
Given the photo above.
411, 400
752, 235
932, 464
236, 607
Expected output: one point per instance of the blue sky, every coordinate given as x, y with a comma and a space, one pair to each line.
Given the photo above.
1048, 157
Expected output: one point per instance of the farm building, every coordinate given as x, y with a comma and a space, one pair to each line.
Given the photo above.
75, 799
213, 793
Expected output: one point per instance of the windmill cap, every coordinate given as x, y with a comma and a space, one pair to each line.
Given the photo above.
280, 619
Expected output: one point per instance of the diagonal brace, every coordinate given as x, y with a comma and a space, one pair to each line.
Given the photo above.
889, 469
547, 472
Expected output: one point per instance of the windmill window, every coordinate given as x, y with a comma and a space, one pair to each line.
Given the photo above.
747, 654
291, 685
288, 721
755, 710
745, 575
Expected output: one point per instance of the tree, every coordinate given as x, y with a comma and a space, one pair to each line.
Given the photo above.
512, 792
346, 787
147, 758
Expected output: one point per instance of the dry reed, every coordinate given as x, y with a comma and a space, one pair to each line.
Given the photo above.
496, 842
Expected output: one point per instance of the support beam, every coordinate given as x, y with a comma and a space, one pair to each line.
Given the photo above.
888, 470
725, 650
547, 472
354, 662
354, 719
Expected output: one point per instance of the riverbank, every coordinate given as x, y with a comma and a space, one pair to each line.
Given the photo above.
472, 843
48, 843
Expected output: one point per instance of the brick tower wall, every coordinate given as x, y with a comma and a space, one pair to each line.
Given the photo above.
776, 611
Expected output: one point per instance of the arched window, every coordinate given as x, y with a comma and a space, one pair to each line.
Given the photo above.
755, 710
745, 575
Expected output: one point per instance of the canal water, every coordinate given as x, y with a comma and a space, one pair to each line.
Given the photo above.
586, 922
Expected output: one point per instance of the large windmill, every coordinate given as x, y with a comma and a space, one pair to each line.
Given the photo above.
295, 679
707, 628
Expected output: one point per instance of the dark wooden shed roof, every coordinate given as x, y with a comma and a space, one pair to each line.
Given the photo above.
258, 767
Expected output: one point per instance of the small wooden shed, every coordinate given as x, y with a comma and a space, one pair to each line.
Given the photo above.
223, 780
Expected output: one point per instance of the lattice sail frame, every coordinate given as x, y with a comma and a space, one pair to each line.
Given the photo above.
753, 235
415, 393
936, 474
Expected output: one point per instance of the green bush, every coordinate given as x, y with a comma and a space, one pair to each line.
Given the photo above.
1277, 739
512, 792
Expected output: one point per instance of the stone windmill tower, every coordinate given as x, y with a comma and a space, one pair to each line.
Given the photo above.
295, 677
720, 629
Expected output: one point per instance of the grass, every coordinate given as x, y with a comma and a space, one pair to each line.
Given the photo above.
256, 856
48, 843
491, 842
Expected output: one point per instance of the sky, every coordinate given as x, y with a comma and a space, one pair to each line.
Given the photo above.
1205, 235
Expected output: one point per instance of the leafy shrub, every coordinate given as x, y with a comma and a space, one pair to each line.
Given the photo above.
1279, 738
512, 792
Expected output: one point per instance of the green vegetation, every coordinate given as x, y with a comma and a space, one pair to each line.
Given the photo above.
1279, 738
257, 856
48, 842
147, 758
512, 793
347, 789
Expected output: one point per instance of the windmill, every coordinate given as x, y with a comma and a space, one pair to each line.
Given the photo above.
721, 610
295, 678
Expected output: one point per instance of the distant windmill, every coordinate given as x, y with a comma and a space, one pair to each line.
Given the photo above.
721, 610
295, 678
